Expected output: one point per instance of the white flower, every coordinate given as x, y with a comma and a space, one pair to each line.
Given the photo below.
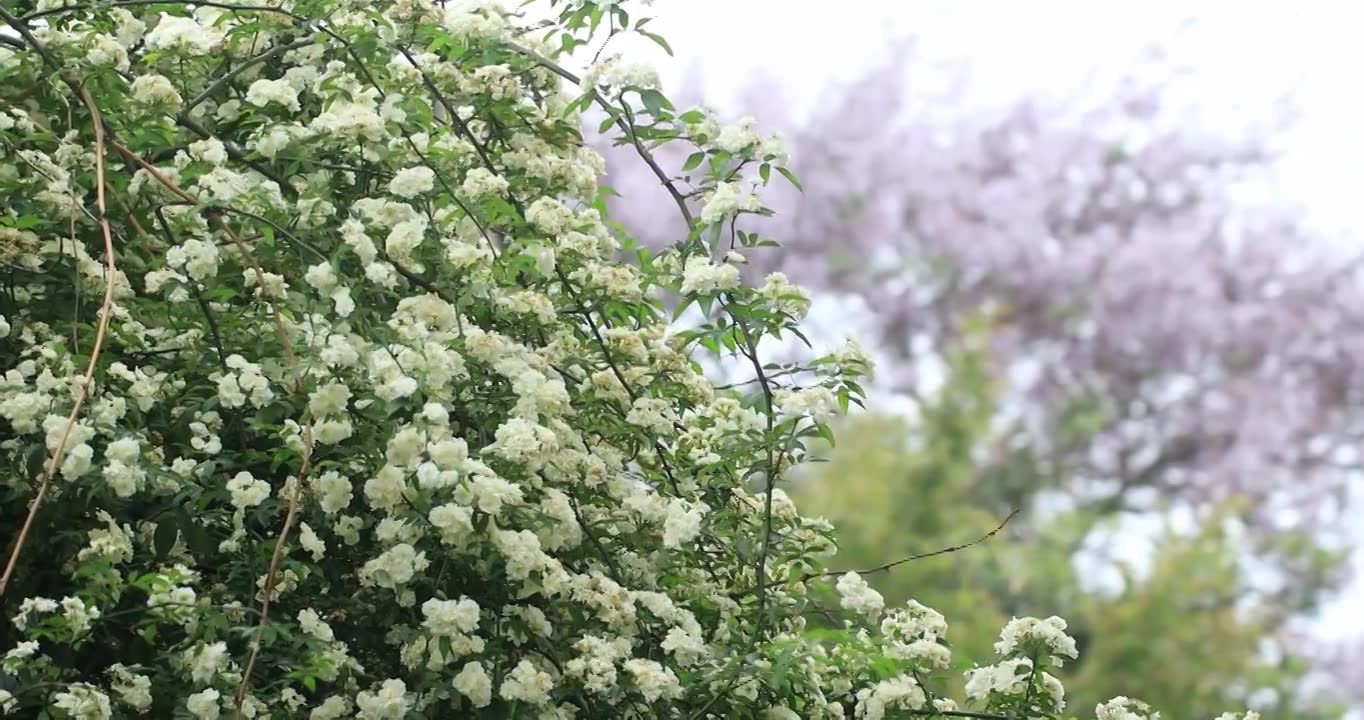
615, 73
349, 119
653, 680
243, 383
784, 296
204, 704
320, 276
901, 692
308, 540
21, 651
819, 402
313, 624
389, 703
521, 440
155, 90
686, 646
333, 491
198, 258
481, 181
29, 606
128, 28
491, 493
474, 683
527, 683
413, 181
333, 708
78, 615
107, 50
329, 399
247, 491
405, 447
455, 522
550, 216
736, 138
682, 522
1122, 708
342, 304
280, 92
207, 661
449, 618
914, 633
394, 567
183, 34
123, 450
522, 551
703, 276
857, 596
1027, 635
83, 702
405, 237
726, 200
1011, 677
210, 150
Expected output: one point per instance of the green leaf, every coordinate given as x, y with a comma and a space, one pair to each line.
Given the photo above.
827, 433
653, 101
790, 177
658, 39
693, 161
165, 536
196, 536
765, 172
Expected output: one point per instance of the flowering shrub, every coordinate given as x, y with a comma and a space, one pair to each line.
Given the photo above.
329, 390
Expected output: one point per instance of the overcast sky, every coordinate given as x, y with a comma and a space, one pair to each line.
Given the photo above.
1245, 53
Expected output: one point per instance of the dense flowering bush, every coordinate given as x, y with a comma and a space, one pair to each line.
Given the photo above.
329, 390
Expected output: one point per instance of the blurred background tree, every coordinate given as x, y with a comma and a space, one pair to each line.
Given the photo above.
1189, 628
1169, 342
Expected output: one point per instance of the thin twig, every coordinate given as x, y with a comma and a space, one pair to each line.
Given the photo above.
273, 572
243, 67
625, 127
106, 307
291, 360
942, 551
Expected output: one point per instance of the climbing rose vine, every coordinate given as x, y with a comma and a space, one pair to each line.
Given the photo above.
329, 390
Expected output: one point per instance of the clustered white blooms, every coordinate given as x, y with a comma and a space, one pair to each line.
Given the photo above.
385, 422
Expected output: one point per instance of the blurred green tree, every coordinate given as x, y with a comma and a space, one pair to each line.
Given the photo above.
1189, 630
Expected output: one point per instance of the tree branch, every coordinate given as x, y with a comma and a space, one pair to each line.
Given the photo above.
624, 126
943, 551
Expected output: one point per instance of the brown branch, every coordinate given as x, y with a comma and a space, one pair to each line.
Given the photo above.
286, 346
942, 551
272, 574
106, 307
625, 127
243, 67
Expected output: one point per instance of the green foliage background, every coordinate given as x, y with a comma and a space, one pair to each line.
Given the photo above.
1188, 633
